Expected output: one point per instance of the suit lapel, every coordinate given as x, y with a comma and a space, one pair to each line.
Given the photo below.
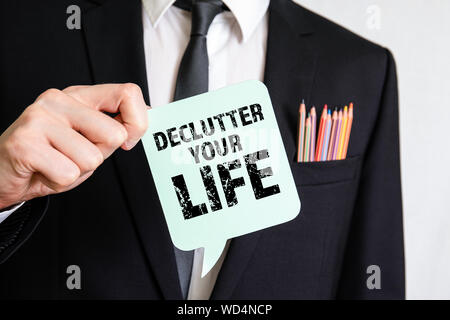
290, 67
114, 39
289, 73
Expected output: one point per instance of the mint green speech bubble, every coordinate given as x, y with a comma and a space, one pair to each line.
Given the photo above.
220, 167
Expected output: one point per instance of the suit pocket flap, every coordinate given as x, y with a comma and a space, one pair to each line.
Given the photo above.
323, 172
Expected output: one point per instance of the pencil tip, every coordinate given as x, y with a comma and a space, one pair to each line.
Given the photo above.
302, 108
303, 101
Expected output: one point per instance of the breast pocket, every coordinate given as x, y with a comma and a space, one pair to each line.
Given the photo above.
315, 239
327, 192
325, 172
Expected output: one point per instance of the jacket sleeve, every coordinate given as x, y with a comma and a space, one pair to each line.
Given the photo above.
376, 232
19, 226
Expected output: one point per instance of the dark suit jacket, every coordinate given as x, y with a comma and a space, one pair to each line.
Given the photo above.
112, 225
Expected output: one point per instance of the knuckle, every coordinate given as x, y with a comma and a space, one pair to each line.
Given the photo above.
143, 127
116, 137
94, 160
49, 95
68, 176
32, 113
71, 89
32, 124
131, 89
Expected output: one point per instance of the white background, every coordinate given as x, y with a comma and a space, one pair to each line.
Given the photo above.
418, 34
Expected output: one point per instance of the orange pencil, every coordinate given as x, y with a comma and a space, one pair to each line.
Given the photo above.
321, 133
349, 129
342, 136
301, 131
307, 139
333, 135
312, 144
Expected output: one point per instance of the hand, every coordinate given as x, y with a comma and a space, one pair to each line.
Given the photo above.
60, 139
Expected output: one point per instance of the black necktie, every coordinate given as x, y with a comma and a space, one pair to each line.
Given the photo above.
193, 72
192, 79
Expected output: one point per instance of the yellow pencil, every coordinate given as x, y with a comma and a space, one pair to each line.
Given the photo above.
342, 134
307, 139
347, 132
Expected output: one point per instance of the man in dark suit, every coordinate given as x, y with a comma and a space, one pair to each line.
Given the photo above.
77, 196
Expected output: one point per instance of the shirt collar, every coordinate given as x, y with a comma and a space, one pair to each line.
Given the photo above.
248, 13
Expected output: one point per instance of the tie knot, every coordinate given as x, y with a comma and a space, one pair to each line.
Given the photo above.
203, 13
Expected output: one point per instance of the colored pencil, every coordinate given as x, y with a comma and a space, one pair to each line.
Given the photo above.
347, 132
333, 135
307, 139
326, 137
301, 131
312, 144
342, 136
338, 134
320, 133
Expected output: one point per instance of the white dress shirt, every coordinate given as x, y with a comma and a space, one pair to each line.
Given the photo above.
5, 213
236, 44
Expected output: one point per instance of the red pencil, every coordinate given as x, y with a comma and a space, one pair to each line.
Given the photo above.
323, 118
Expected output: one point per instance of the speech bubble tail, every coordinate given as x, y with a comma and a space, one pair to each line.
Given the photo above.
211, 255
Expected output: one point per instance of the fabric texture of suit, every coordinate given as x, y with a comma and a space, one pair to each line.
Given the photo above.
112, 225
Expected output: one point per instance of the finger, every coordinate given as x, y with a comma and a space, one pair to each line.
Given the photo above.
58, 169
86, 155
124, 98
40, 185
106, 133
